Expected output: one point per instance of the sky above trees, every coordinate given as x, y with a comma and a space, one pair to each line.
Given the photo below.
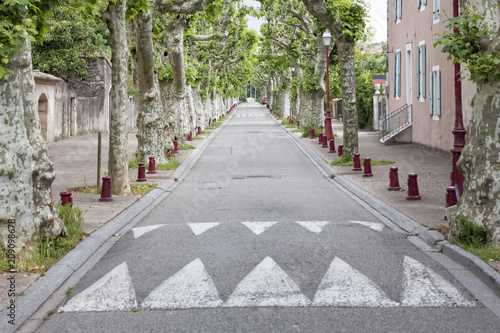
378, 18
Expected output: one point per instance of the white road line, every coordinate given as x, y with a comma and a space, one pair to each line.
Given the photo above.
372, 225
313, 226
267, 285
258, 227
138, 232
113, 292
191, 287
423, 287
199, 228
344, 286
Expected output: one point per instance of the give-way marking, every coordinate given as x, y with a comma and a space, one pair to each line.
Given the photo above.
268, 284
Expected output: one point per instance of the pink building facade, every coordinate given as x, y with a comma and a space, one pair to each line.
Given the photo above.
420, 75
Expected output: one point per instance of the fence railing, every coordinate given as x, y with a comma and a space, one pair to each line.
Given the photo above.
394, 122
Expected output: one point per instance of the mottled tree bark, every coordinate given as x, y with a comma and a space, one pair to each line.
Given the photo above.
151, 125
114, 17
345, 48
26, 174
480, 160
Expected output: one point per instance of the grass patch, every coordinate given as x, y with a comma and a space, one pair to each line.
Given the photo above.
292, 126
209, 128
472, 238
172, 164
198, 138
142, 188
205, 132
346, 160
485, 252
187, 146
298, 130
285, 122
41, 252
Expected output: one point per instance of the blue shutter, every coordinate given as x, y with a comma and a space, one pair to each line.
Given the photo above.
399, 9
431, 93
436, 9
395, 10
438, 93
418, 70
395, 73
419, 3
423, 71
424, 2
399, 73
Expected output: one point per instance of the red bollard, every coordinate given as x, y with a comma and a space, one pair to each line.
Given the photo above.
106, 189
325, 142
141, 177
320, 138
215, 119
412, 187
190, 136
332, 146
176, 147
152, 165
451, 196
313, 134
341, 150
199, 131
368, 168
357, 163
66, 198
394, 180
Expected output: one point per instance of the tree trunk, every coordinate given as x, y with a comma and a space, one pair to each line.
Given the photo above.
348, 85
151, 125
114, 17
26, 174
480, 160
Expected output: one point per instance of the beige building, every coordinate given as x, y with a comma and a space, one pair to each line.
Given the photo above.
420, 78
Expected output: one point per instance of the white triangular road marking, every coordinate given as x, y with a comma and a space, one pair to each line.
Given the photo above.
343, 285
313, 226
113, 292
258, 227
267, 285
372, 225
191, 287
425, 288
138, 232
199, 228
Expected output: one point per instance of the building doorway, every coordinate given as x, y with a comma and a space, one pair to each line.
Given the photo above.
43, 108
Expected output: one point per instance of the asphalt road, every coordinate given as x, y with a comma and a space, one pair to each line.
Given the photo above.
256, 239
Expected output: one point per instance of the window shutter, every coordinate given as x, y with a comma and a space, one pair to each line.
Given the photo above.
399, 73
419, 3
418, 71
423, 70
399, 9
395, 73
431, 93
436, 9
438, 93
424, 2
395, 10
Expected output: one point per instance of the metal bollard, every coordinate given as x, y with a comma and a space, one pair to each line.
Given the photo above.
199, 131
368, 168
451, 196
341, 150
394, 180
313, 134
332, 146
357, 163
66, 198
412, 187
152, 165
325, 142
141, 176
320, 138
176, 147
190, 136
106, 189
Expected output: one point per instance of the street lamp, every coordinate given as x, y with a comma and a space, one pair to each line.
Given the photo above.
327, 38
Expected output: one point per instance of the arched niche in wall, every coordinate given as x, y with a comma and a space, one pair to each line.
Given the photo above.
43, 110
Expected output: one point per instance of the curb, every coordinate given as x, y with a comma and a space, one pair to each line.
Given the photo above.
478, 267
40, 291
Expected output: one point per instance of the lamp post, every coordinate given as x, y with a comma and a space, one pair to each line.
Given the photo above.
327, 38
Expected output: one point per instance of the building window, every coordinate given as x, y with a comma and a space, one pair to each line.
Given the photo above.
397, 74
421, 51
397, 10
436, 11
435, 93
421, 4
